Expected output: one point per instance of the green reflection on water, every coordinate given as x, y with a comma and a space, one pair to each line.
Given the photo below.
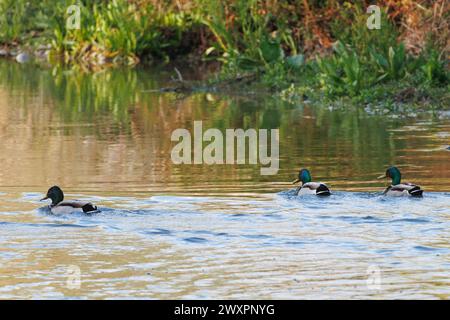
121, 108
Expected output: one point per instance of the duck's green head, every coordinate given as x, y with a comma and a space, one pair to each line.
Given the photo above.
394, 174
55, 193
304, 176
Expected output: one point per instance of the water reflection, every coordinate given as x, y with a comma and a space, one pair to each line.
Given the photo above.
111, 131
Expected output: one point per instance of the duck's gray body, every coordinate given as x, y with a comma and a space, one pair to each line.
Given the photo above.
68, 207
403, 189
316, 188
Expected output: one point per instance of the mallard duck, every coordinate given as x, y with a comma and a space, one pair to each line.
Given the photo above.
59, 206
308, 187
397, 188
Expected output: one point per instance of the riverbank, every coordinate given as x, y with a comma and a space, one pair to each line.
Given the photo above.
301, 51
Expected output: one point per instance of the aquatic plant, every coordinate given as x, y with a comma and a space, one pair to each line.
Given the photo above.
434, 68
343, 72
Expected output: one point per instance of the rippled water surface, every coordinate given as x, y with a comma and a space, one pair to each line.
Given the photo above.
224, 231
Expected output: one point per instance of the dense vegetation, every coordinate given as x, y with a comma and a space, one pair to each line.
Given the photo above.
302, 49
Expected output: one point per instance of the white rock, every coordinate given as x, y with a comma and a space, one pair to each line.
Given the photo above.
23, 57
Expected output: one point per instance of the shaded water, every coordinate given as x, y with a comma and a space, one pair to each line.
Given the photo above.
223, 231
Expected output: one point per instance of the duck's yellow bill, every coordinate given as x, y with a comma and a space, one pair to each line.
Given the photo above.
382, 176
296, 181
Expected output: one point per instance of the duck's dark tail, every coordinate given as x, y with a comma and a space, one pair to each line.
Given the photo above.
416, 192
323, 190
89, 208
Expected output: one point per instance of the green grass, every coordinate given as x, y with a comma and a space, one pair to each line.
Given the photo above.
118, 30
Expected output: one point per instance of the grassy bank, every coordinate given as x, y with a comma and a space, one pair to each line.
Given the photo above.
303, 49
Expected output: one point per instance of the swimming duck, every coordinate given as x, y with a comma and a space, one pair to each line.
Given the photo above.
59, 206
308, 187
397, 188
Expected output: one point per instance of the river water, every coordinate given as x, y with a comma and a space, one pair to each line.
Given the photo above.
212, 231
